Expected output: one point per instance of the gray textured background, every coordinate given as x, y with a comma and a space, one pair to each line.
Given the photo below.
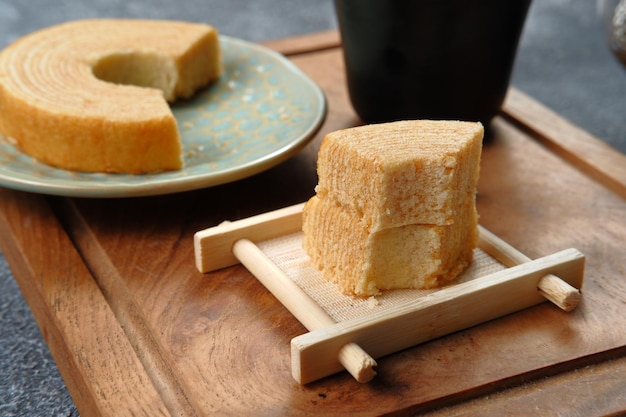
563, 62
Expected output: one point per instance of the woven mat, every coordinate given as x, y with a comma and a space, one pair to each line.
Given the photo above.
287, 253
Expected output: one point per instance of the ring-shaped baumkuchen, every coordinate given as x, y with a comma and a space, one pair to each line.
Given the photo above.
92, 95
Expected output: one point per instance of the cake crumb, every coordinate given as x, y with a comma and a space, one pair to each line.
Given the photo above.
372, 302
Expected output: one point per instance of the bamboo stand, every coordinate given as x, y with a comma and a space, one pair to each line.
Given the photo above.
330, 347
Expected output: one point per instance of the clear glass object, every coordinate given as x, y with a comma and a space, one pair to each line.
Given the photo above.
614, 17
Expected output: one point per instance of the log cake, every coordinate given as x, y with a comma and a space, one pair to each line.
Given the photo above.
395, 205
92, 95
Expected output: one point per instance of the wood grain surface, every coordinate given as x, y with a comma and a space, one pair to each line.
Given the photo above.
136, 329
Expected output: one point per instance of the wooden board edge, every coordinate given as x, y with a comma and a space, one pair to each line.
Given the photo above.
604, 371
49, 292
155, 359
307, 43
592, 156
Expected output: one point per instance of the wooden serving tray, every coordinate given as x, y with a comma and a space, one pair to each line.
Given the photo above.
136, 329
396, 320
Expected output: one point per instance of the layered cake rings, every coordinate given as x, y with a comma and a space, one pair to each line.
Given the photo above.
395, 205
92, 95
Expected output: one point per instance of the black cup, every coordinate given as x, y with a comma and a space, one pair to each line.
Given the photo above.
429, 59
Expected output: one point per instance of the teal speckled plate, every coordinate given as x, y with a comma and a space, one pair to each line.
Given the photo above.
262, 111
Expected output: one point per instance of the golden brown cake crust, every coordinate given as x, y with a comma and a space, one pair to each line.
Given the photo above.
395, 205
366, 168
53, 106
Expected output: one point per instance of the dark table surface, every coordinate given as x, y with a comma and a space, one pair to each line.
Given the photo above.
563, 62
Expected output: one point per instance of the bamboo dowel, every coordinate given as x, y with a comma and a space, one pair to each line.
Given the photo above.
559, 292
550, 286
356, 361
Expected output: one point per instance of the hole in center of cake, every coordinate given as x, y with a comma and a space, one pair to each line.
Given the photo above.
142, 69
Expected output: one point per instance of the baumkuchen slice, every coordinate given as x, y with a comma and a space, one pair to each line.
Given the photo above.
92, 95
